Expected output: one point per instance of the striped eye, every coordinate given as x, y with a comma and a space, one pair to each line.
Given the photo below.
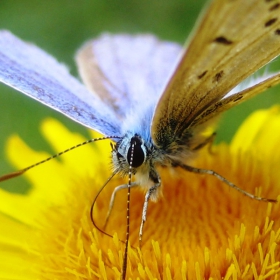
137, 152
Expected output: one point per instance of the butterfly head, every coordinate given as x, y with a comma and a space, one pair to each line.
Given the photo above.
131, 151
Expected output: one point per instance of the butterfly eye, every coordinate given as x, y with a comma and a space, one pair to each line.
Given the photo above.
136, 153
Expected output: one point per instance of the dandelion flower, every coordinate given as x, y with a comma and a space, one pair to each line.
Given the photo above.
199, 229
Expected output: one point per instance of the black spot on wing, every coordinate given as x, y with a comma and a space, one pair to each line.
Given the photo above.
223, 40
274, 7
277, 31
238, 98
200, 76
270, 22
218, 76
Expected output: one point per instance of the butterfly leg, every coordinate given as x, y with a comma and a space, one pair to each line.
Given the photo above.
209, 140
152, 193
221, 178
112, 200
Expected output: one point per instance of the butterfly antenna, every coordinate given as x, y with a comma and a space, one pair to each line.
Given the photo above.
20, 172
128, 213
123, 275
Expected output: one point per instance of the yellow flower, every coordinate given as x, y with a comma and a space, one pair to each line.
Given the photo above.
199, 229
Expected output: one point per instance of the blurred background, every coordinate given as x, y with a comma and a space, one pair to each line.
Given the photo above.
60, 27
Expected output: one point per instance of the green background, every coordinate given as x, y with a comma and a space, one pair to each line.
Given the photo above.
60, 27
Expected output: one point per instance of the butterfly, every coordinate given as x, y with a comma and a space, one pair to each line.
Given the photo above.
153, 99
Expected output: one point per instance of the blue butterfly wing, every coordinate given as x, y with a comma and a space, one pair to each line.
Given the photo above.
127, 71
33, 72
